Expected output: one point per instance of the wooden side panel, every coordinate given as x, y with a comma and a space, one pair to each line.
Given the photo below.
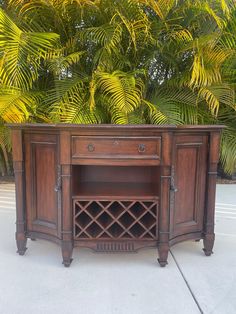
190, 164
41, 153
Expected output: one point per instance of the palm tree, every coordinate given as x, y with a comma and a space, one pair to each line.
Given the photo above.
121, 61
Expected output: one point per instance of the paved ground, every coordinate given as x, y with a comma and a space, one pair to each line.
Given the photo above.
119, 283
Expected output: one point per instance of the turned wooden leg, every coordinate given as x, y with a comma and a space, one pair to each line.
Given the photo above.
163, 250
67, 250
18, 165
208, 243
21, 241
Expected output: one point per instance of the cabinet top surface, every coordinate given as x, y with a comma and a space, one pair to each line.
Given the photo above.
64, 126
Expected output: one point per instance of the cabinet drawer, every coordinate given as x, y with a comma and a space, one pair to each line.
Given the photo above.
95, 147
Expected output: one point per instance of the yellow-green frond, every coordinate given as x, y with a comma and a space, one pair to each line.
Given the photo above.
21, 52
122, 90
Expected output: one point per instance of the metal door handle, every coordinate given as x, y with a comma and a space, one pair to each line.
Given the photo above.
173, 189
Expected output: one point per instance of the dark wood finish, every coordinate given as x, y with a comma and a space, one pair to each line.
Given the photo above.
165, 181
65, 186
102, 147
115, 188
112, 219
18, 164
190, 164
41, 169
116, 181
209, 235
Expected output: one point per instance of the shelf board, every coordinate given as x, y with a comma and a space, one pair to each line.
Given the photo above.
118, 190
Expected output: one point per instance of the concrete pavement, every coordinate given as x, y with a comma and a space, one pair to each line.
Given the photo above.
119, 283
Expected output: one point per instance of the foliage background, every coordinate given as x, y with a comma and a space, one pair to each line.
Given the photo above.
120, 61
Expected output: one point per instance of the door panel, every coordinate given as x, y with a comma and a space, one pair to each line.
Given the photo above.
190, 161
41, 155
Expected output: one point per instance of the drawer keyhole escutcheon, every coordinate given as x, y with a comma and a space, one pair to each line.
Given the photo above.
91, 148
141, 148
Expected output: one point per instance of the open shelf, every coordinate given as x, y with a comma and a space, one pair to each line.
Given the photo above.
104, 182
116, 190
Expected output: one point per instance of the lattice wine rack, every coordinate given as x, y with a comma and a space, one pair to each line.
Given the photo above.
115, 219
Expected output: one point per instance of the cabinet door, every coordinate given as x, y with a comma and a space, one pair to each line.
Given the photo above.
41, 168
189, 173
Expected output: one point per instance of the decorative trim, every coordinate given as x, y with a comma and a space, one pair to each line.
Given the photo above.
115, 247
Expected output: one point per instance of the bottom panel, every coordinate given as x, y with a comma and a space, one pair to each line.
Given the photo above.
39, 235
186, 237
115, 246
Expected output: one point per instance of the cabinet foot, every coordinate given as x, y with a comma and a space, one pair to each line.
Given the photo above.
162, 263
67, 263
67, 250
208, 243
21, 241
163, 254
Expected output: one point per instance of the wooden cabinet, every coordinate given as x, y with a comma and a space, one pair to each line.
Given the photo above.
115, 188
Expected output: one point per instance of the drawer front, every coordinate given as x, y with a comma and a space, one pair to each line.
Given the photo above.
95, 147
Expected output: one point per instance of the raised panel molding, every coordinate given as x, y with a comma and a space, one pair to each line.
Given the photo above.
42, 156
186, 183
190, 179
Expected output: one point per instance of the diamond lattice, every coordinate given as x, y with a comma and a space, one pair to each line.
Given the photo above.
112, 219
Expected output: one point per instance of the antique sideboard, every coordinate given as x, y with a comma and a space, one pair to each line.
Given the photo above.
115, 188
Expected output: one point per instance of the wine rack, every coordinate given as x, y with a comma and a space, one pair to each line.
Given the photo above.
115, 219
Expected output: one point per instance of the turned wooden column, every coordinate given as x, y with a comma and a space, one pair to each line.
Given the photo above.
164, 208
66, 233
209, 235
18, 165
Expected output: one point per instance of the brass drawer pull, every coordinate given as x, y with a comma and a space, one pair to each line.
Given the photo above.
141, 148
91, 148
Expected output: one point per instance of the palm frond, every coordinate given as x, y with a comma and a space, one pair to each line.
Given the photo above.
21, 53
228, 150
161, 8
59, 64
17, 106
65, 89
123, 90
109, 36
